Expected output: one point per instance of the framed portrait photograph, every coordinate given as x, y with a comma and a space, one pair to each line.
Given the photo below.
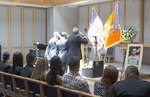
134, 55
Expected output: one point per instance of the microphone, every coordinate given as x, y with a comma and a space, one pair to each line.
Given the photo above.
85, 29
95, 39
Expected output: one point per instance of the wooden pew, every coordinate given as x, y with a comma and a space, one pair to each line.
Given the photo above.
1, 86
20, 86
8, 85
47, 88
66, 92
26, 87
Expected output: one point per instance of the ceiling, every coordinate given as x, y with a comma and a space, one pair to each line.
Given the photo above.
49, 3
85, 2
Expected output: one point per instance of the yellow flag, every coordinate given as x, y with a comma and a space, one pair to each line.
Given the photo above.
111, 31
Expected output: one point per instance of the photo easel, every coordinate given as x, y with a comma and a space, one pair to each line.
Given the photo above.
126, 50
123, 47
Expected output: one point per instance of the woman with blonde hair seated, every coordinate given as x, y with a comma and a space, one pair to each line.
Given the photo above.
104, 86
40, 69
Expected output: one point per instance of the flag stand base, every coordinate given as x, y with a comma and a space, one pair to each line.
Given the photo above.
96, 71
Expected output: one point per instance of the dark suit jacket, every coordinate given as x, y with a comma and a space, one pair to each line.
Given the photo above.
18, 70
132, 87
27, 70
73, 45
5, 67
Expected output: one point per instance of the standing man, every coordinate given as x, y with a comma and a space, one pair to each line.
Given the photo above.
74, 43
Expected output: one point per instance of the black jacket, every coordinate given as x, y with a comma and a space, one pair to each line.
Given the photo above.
27, 70
5, 67
132, 87
73, 45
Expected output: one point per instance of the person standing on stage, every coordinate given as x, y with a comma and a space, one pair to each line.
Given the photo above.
62, 52
51, 49
74, 42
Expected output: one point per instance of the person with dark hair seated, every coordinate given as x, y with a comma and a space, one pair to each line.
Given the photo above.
104, 86
53, 77
73, 79
132, 86
28, 69
17, 63
4, 65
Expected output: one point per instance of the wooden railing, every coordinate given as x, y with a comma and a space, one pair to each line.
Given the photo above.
16, 86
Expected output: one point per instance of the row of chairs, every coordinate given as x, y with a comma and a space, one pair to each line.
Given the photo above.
16, 86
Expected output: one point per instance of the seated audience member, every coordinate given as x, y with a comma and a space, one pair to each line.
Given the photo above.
53, 77
132, 86
73, 79
4, 65
17, 63
28, 69
104, 86
40, 70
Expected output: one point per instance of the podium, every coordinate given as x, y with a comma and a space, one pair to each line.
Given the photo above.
98, 66
96, 71
39, 51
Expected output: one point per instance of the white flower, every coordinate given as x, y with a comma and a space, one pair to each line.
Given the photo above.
128, 34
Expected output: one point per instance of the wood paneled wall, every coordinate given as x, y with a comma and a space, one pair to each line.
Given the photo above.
21, 28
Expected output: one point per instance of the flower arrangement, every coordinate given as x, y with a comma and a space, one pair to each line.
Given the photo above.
128, 34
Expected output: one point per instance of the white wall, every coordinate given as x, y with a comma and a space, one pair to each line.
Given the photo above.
65, 18
146, 21
61, 19
49, 23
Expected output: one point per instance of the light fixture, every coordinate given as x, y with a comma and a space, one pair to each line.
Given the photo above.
76, 3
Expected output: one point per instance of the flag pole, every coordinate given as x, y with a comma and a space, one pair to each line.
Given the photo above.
96, 53
95, 43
